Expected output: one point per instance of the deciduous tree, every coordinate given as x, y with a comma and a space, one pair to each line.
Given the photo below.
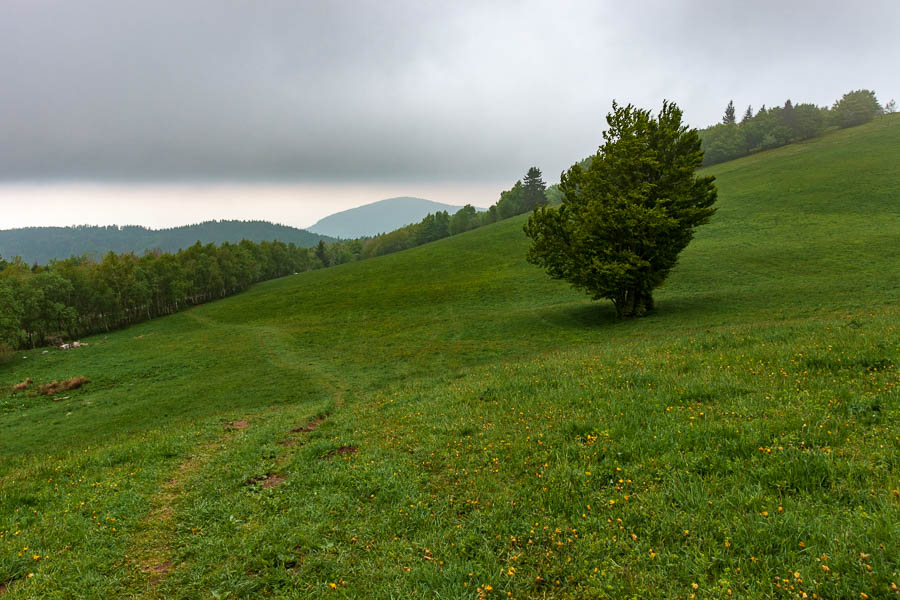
624, 220
855, 108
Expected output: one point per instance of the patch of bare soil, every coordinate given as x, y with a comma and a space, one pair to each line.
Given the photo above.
54, 387
266, 481
342, 450
311, 426
158, 571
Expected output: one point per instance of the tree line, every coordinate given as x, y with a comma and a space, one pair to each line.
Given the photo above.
770, 128
43, 244
80, 295
70, 298
523, 197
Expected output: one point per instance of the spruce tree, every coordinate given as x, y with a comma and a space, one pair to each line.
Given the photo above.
533, 186
748, 114
729, 119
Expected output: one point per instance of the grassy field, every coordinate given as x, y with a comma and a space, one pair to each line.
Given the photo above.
449, 422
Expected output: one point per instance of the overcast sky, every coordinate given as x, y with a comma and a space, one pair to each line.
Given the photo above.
314, 103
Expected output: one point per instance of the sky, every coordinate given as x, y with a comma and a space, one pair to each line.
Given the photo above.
168, 112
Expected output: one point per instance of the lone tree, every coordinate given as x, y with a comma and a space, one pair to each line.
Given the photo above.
624, 220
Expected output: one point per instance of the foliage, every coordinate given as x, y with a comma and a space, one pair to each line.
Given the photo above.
748, 114
533, 190
79, 296
729, 118
855, 108
624, 220
464, 219
774, 127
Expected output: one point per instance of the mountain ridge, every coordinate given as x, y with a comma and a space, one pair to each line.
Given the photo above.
378, 217
42, 244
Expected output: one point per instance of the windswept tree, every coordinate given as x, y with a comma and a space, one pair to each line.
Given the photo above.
624, 220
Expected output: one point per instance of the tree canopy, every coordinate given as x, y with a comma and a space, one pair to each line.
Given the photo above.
625, 218
855, 108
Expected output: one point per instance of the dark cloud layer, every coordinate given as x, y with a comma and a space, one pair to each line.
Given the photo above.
365, 90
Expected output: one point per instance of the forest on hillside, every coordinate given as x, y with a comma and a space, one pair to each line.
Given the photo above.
769, 128
43, 244
81, 295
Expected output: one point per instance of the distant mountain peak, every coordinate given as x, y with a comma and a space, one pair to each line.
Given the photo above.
378, 217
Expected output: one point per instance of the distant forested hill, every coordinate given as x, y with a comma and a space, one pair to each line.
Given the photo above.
42, 244
379, 217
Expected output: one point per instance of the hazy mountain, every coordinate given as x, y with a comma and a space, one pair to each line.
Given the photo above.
378, 217
41, 244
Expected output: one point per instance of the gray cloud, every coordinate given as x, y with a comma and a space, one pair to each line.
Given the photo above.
364, 90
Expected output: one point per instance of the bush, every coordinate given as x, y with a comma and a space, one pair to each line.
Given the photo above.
6, 353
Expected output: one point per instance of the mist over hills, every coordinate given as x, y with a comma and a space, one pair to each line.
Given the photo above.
378, 217
42, 244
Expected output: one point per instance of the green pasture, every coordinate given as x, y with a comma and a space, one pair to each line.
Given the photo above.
448, 422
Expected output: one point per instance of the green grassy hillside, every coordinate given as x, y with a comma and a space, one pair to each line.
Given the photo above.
449, 422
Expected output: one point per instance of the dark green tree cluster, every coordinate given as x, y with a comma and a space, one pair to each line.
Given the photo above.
43, 244
855, 108
625, 218
78, 296
778, 126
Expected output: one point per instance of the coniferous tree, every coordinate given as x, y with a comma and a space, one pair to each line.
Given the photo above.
322, 253
748, 114
533, 187
729, 119
788, 119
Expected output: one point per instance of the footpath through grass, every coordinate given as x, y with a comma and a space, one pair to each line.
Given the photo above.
448, 422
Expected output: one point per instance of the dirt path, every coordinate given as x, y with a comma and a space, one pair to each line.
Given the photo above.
152, 553
279, 351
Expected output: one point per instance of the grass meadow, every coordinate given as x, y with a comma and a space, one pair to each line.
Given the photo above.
448, 422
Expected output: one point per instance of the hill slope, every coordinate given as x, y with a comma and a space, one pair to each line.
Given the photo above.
42, 244
378, 217
447, 421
